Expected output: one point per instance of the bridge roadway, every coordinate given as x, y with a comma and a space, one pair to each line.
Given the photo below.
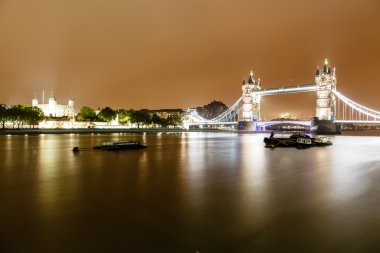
289, 122
259, 123
287, 89
212, 123
357, 122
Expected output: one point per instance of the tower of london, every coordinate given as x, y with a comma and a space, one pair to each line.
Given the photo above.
53, 109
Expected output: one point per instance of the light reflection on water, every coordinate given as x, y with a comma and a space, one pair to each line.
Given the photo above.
209, 192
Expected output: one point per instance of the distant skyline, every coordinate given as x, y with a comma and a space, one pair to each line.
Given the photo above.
178, 54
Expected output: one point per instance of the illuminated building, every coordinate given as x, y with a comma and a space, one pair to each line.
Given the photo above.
53, 109
251, 102
164, 113
326, 83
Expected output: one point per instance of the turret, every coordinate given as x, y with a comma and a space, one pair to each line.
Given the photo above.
52, 100
251, 80
52, 106
317, 75
34, 102
325, 67
71, 108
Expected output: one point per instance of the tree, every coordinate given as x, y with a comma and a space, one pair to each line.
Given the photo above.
4, 115
107, 114
212, 110
164, 123
86, 114
17, 115
156, 120
124, 115
174, 120
33, 115
140, 118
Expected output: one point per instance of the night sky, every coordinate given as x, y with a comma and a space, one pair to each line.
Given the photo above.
184, 53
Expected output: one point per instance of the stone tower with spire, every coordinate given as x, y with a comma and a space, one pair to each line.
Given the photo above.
251, 102
326, 83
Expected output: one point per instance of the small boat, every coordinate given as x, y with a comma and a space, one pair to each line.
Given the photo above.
120, 145
296, 140
322, 141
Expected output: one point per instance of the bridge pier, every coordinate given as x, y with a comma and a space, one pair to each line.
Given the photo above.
247, 125
324, 126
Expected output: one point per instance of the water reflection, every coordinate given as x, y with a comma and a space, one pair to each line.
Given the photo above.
352, 166
254, 184
188, 191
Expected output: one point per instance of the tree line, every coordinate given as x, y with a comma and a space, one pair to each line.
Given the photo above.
20, 115
138, 117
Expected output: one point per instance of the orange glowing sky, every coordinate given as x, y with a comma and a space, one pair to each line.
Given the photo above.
183, 53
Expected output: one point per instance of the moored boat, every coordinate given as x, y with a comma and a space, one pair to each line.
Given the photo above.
296, 140
120, 145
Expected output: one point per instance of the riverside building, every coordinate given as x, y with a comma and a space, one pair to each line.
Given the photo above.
53, 109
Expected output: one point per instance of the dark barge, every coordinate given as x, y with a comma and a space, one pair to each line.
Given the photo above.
296, 140
120, 145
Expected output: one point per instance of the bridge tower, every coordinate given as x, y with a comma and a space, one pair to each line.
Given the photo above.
326, 83
251, 101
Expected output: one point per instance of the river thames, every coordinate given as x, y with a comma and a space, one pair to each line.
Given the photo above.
188, 192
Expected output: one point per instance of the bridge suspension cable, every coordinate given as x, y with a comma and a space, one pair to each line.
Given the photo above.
226, 112
356, 106
227, 115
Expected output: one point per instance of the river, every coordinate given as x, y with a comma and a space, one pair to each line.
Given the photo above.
188, 192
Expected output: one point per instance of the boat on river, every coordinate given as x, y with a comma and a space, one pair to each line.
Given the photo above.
120, 145
296, 140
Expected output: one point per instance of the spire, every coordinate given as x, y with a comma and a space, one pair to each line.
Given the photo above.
258, 81
244, 81
317, 73
325, 67
329, 71
251, 80
334, 71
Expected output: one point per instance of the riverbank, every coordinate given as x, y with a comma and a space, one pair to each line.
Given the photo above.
30, 131
108, 130
83, 131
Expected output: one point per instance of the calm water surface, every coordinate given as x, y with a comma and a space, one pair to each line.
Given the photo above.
188, 192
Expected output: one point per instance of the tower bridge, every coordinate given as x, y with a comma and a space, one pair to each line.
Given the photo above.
332, 107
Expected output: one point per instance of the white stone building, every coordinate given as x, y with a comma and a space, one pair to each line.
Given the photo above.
53, 109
